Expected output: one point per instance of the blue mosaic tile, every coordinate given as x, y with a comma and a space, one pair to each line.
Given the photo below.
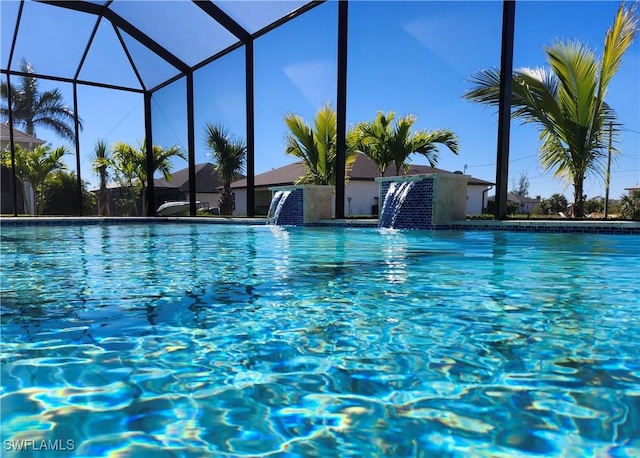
410, 208
292, 211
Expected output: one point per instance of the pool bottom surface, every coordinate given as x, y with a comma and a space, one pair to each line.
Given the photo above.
262, 341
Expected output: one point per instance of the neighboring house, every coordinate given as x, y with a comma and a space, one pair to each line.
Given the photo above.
207, 189
633, 189
25, 194
26, 141
524, 204
361, 191
207, 186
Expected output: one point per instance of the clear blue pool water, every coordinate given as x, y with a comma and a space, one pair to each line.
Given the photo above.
214, 340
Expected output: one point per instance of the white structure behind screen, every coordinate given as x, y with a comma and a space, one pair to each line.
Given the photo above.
361, 191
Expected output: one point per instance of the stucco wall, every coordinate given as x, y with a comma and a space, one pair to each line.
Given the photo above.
450, 198
363, 196
241, 202
209, 199
475, 196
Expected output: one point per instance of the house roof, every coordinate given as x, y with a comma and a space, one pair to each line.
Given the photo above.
18, 136
364, 169
511, 197
207, 179
632, 188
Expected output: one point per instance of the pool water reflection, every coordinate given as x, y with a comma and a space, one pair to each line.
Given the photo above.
216, 340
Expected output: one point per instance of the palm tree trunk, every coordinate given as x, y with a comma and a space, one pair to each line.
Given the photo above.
38, 201
226, 204
144, 199
398, 168
578, 201
25, 201
29, 128
103, 206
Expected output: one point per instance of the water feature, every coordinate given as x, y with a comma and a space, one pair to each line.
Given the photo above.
277, 203
393, 202
427, 201
194, 340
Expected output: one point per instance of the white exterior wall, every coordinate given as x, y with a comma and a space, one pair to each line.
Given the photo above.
528, 207
207, 198
363, 196
241, 202
475, 197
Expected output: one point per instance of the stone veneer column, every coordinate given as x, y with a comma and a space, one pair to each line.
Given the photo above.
306, 204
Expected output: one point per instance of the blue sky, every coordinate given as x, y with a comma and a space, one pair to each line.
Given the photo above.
408, 57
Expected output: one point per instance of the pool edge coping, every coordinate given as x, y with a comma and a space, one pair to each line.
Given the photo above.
597, 227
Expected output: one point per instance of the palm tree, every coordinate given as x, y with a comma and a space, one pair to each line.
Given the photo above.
373, 140
567, 102
35, 166
386, 143
316, 146
127, 163
101, 163
32, 108
630, 206
60, 196
229, 156
130, 165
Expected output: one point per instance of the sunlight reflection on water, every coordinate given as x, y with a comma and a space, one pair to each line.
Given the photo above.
199, 339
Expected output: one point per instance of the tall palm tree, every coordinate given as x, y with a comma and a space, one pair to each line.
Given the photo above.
32, 108
130, 165
127, 162
316, 146
567, 102
229, 155
101, 163
386, 143
35, 166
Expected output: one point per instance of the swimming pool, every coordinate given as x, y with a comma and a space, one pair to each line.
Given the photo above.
219, 340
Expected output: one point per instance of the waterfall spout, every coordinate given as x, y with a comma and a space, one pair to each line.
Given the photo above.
393, 201
279, 198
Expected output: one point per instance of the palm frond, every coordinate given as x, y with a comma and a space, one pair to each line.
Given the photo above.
229, 154
617, 41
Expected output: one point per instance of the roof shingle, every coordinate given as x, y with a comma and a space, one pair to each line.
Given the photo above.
364, 169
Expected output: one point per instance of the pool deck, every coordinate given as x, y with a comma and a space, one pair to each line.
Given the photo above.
557, 226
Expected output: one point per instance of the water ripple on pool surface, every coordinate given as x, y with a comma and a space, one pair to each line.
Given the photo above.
253, 341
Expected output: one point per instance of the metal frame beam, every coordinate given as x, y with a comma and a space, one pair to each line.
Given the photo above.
283, 20
76, 123
341, 106
250, 114
62, 79
12, 149
223, 19
191, 145
504, 108
12, 146
119, 21
87, 48
128, 54
148, 135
